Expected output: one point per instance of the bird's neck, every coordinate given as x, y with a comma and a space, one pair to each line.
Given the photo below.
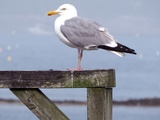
68, 16
61, 19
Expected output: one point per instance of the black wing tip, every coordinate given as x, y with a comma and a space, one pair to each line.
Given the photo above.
125, 49
132, 52
119, 48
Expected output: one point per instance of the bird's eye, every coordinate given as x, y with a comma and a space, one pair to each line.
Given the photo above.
63, 9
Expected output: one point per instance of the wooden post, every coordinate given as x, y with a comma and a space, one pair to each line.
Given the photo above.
39, 104
25, 85
99, 103
57, 79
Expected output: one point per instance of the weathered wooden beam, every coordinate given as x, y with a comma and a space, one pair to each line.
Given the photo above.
99, 84
57, 79
39, 104
99, 103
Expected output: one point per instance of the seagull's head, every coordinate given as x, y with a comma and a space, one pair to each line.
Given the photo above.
65, 9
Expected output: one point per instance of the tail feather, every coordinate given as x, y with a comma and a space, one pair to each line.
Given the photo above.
120, 54
119, 48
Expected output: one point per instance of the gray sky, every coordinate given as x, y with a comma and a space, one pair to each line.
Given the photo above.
136, 17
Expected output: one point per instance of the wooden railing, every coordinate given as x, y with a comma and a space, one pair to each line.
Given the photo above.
25, 85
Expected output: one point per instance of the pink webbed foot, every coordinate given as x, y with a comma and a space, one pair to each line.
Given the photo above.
75, 69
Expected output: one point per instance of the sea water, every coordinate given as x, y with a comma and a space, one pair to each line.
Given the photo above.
19, 112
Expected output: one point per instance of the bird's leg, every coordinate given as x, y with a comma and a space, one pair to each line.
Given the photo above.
80, 54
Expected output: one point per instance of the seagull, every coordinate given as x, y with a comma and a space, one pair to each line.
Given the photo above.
84, 34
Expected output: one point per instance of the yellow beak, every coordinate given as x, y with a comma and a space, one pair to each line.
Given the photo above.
52, 13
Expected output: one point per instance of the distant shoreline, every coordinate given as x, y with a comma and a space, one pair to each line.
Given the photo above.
148, 102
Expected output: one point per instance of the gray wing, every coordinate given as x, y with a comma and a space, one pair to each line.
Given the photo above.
85, 33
